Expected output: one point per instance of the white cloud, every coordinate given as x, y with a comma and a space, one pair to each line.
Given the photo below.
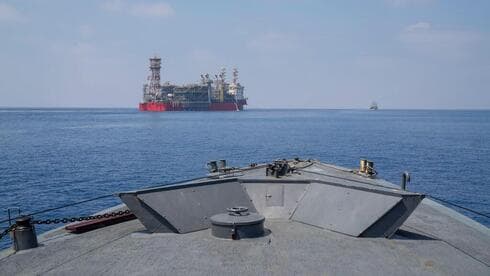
405, 3
419, 26
273, 41
423, 38
152, 10
158, 9
113, 5
9, 13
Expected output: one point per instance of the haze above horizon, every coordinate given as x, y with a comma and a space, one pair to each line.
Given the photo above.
403, 54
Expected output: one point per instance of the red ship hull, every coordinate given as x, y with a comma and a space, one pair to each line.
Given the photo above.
225, 107
159, 107
162, 107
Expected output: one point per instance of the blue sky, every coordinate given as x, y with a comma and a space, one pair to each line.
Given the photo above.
290, 54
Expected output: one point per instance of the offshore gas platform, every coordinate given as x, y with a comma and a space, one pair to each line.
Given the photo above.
208, 94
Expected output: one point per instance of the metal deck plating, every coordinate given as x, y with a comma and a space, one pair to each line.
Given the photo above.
320, 220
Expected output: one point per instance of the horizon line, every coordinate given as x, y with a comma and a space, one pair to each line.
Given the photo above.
261, 108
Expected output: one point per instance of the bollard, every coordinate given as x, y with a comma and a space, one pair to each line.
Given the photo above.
24, 234
221, 164
369, 168
213, 166
362, 166
405, 180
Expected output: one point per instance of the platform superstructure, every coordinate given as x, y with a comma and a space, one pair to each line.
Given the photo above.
209, 94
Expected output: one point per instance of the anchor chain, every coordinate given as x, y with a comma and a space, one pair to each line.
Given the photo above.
66, 220
83, 218
8, 230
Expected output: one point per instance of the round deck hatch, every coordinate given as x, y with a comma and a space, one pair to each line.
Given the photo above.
238, 223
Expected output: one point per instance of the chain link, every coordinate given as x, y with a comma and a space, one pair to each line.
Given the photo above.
66, 220
6, 231
82, 218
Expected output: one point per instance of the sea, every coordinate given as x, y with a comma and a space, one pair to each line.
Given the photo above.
56, 157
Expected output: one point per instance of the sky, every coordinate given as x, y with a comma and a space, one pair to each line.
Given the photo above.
403, 54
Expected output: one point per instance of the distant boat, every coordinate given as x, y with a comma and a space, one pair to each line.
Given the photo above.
374, 106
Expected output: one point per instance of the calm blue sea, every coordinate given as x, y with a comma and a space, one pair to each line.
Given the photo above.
52, 157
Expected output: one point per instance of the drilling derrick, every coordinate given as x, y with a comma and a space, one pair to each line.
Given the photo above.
153, 88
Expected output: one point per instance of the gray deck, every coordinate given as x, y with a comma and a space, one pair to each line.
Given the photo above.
433, 241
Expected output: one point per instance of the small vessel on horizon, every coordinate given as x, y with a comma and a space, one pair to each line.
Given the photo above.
373, 106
